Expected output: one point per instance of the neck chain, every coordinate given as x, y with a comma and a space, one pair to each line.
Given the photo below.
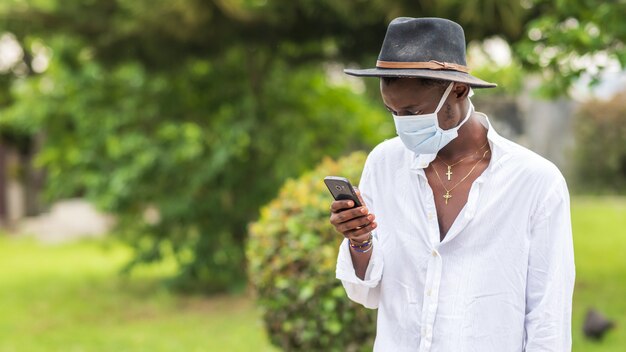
449, 173
448, 195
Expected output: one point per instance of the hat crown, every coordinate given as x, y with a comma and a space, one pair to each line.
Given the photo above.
430, 48
423, 40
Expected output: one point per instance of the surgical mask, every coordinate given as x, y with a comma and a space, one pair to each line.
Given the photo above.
422, 134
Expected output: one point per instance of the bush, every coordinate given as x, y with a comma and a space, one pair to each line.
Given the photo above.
601, 146
292, 252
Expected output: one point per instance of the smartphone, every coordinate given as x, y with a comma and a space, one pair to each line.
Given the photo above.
341, 189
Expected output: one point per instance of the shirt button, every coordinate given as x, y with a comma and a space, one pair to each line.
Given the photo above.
429, 292
434, 253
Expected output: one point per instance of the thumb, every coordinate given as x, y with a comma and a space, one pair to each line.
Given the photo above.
358, 194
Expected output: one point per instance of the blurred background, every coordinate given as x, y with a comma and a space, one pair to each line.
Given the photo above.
144, 145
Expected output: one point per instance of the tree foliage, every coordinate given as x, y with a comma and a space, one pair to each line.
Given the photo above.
189, 144
570, 38
158, 33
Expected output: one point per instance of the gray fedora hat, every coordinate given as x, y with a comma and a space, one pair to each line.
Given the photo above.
423, 47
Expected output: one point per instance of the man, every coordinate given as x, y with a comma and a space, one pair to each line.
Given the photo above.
464, 241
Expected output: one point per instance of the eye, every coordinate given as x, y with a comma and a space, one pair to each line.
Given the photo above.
403, 112
411, 113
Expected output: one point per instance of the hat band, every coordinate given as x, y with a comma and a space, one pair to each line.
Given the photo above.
431, 65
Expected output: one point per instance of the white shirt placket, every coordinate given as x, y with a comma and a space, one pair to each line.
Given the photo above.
433, 271
431, 300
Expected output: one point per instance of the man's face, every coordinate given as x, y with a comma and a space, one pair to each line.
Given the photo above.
408, 96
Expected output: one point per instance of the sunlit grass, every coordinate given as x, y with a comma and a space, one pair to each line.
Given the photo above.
70, 298
599, 226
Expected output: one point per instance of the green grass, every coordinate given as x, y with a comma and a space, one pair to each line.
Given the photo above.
70, 297
599, 226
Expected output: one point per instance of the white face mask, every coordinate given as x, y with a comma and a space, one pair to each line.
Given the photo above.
422, 134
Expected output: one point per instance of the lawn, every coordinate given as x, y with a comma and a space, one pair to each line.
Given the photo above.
70, 297
599, 226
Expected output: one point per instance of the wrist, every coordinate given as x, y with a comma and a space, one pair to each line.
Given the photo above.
361, 247
361, 250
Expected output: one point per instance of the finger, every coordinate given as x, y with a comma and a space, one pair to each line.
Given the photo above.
362, 233
347, 215
356, 223
358, 194
339, 205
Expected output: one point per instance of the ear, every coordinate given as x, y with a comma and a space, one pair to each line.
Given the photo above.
461, 91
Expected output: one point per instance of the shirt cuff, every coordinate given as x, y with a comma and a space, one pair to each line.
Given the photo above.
345, 269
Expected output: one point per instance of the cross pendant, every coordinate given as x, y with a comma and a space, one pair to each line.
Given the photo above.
449, 173
447, 196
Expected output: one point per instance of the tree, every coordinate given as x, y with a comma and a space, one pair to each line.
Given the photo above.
197, 150
571, 38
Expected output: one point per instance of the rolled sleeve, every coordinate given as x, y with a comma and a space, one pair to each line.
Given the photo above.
551, 276
366, 291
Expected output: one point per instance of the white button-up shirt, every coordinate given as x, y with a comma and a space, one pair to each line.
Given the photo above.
501, 280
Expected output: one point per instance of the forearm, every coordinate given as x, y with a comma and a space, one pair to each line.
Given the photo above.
360, 273
360, 261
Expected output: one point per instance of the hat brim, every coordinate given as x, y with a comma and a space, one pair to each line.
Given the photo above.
444, 75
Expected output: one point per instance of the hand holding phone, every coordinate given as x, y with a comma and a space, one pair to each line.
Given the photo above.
353, 220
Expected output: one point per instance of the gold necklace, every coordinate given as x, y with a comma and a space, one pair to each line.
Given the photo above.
449, 173
448, 195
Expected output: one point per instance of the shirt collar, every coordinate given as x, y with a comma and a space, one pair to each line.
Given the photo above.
499, 147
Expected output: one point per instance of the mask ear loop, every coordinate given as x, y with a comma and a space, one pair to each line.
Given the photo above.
470, 110
444, 97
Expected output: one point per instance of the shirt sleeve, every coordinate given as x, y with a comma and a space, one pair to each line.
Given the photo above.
551, 275
366, 291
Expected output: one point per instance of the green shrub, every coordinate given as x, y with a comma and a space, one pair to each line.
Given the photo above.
601, 146
292, 252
